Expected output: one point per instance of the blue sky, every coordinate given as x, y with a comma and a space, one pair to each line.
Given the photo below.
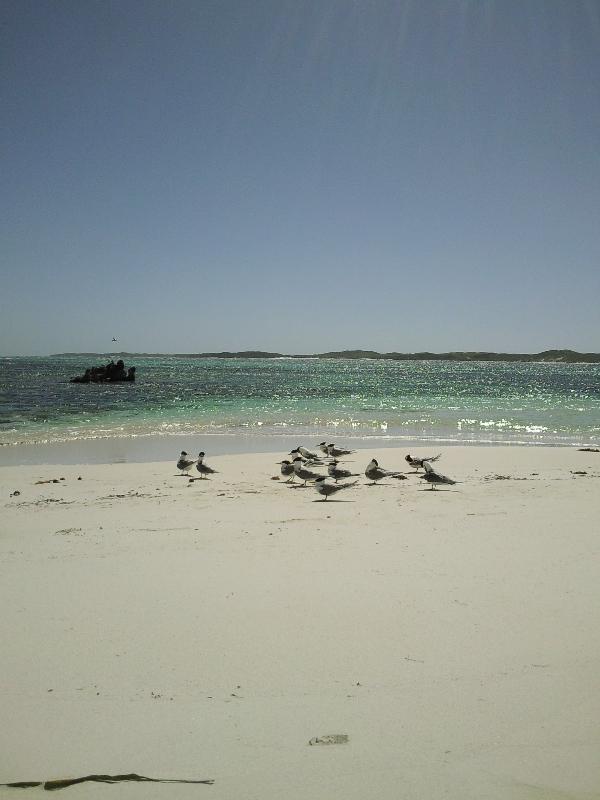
300, 176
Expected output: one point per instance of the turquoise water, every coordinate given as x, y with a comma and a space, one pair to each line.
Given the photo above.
425, 400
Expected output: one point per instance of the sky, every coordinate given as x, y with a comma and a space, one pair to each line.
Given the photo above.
300, 176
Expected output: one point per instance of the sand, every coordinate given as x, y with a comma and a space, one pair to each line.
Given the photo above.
450, 639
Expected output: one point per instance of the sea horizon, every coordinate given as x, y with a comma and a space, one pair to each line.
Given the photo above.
549, 355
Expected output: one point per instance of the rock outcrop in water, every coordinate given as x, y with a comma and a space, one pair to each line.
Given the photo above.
111, 373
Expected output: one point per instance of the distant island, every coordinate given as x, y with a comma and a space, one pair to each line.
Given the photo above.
548, 356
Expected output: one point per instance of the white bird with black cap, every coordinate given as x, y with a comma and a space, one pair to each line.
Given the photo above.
327, 489
375, 473
303, 473
203, 468
419, 463
338, 474
336, 452
435, 478
185, 464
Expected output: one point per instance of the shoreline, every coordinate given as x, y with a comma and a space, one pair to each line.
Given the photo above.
154, 448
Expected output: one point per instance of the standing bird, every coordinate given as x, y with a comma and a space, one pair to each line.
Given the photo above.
303, 473
185, 464
287, 470
323, 448
307, 454
336, 473
375, 473
433, 477
327, 489
417, 463
336, 452
203, 468
310, 460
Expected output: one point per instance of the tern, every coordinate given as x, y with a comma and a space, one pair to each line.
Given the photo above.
185, 464
327, 489
287, 470
303, 473
433, 477
417, 463
308, 454
203, 468
336, 473
309, 461
336, 452
375, 473
323, 448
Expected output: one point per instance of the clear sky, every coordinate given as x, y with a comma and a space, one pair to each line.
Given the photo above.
300, 175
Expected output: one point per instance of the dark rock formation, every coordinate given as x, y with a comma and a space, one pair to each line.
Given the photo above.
111, 373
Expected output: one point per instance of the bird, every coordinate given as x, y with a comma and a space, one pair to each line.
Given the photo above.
308, 461
336, 473
302, 451
335, 452
185, 464
323, 448
417, 463
327, 489
114, 340
375, 473
303, 473
433, 477
203, 468
287, 470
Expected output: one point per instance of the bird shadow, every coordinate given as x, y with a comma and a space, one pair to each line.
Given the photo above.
439, 490
334, 501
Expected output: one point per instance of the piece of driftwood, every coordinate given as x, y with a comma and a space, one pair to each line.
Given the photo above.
51, 786
330, 738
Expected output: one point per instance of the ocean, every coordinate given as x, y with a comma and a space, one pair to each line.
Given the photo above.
306, 399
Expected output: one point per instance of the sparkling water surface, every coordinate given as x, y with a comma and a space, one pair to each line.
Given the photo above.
445, 401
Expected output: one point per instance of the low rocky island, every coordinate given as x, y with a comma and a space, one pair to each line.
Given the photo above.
111, 373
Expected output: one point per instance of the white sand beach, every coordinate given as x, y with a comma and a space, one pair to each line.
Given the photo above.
211, 630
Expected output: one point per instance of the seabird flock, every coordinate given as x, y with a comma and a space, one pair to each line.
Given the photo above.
305, 461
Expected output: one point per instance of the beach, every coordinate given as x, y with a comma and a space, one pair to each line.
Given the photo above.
211, 630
